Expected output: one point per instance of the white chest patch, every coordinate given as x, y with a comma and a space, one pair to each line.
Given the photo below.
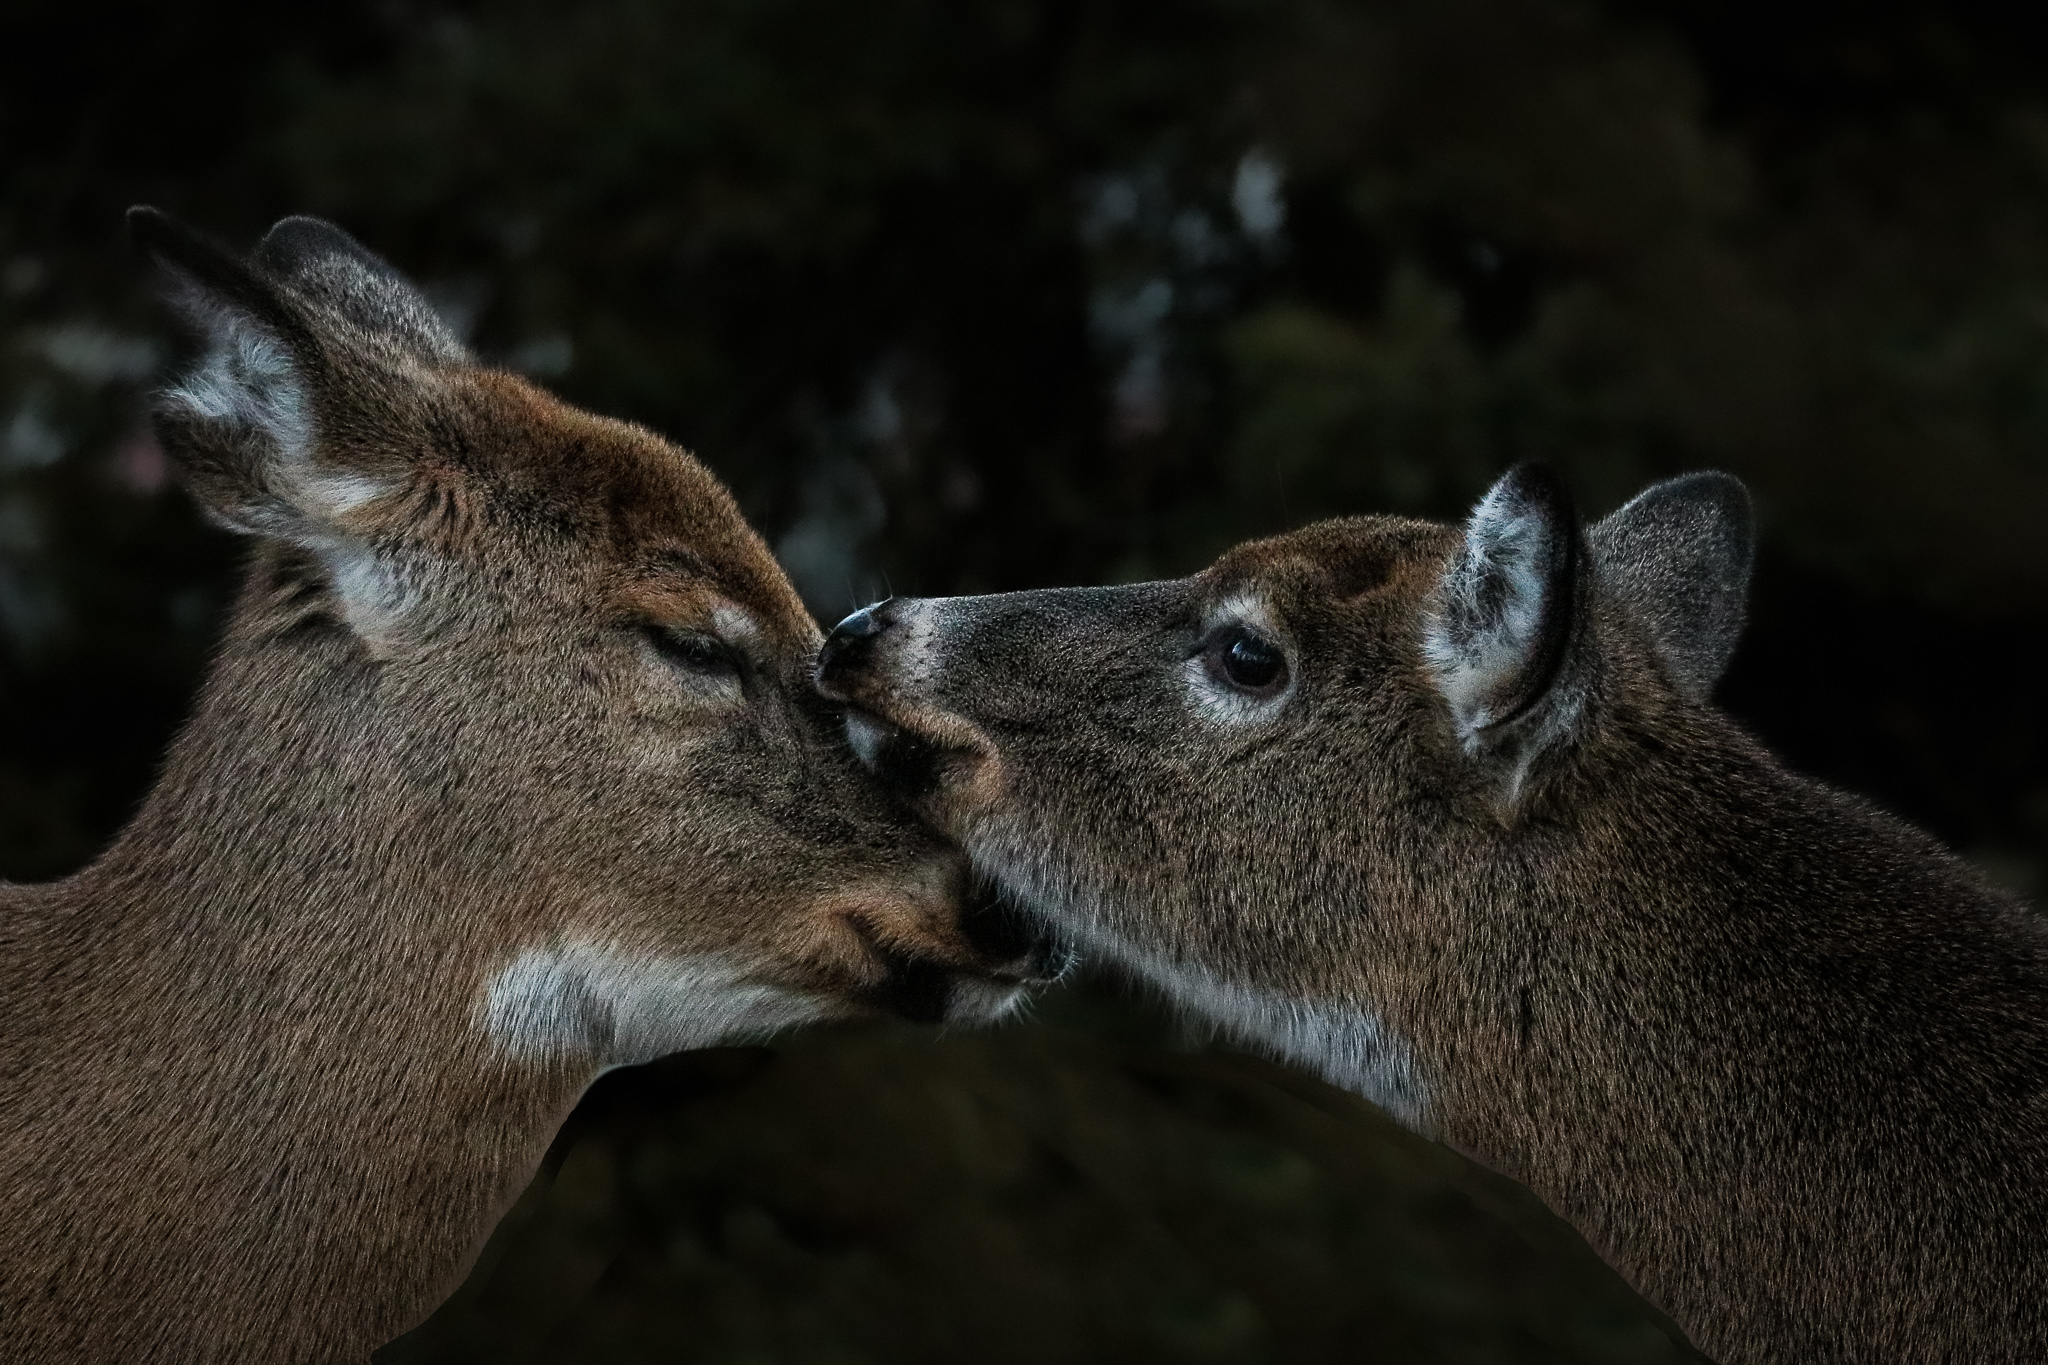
621, 1009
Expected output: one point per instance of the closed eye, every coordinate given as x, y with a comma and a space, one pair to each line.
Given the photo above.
693, 651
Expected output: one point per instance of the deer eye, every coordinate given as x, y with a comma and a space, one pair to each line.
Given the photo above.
1246, 661
691, 650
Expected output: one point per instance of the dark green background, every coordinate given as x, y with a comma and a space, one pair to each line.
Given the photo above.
965, 295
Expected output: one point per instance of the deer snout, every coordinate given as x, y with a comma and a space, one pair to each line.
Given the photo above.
847, 648
883, 663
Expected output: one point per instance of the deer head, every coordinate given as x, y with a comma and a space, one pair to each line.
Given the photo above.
509, 770
1245, 784
552, 650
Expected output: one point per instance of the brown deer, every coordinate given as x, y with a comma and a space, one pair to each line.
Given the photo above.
509, 771
1448, 815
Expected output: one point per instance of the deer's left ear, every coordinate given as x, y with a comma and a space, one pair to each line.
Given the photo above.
312, 351
307, 333
1507, 617
1678, 557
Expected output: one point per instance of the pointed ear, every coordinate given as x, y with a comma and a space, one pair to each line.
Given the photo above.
308, 339
1507, 614
359, 297
1678, 556
244, 424
240, 425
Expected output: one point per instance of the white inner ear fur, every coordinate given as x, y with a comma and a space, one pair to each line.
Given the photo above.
618, 1008
1474, 645
1218, 702
246, 382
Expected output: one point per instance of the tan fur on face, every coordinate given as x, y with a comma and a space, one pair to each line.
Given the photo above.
448, 833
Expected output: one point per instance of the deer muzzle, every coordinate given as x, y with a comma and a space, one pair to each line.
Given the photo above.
881, 663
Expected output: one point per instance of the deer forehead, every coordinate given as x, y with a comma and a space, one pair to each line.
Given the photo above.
579, 496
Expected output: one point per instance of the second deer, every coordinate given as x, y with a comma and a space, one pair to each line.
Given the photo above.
1447, 814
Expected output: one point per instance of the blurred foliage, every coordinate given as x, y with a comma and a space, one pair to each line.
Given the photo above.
976, 294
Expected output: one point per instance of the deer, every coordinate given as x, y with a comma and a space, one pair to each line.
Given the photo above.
1447, 814
508, 771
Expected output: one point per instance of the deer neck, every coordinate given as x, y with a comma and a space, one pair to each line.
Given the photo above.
1691, 1046
261, 1007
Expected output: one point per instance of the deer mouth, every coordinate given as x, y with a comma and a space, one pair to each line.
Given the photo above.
910, 760
1041, 958
1008, 955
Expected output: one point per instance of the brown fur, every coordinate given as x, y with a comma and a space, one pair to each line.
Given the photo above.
256, 1106
1782, 1059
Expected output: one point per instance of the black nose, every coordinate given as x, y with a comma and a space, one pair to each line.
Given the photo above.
852, 640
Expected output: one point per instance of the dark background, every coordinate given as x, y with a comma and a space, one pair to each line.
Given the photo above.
964, 295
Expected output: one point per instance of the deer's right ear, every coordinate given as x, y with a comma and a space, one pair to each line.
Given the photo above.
1503, 630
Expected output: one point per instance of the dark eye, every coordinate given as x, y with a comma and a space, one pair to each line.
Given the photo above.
1248, 662
689, 650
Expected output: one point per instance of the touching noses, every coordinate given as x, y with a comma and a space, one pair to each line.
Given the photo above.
847, 648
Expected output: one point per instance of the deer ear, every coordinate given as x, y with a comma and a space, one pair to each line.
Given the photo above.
1502, 632
310, 336
357, 296
240, 423
1678, 556
244, 423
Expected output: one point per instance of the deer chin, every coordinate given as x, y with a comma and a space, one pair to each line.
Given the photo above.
974, 1000
612, 1007
989, 996
1010, 954
942, 953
